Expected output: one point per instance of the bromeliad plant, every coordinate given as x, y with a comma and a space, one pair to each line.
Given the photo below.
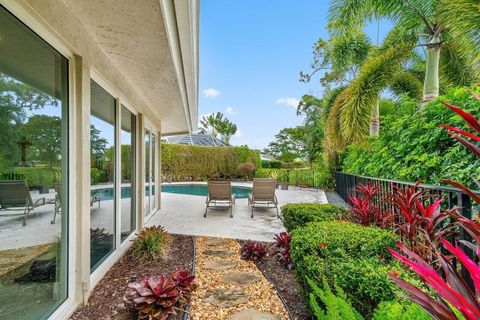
254, 251
160, 296
364, 208
282, 246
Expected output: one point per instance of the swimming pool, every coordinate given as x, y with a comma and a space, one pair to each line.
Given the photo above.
201, 190
191, 189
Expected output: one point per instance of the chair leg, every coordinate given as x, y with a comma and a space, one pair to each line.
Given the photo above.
252, 210
205, 214
276, 208
24, 222
54, 216
231, 211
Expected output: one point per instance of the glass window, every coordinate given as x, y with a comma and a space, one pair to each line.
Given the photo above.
102, 172
154, 172
33, 173
128, 217
147, 173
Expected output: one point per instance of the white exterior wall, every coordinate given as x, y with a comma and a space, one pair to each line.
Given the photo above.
55, 22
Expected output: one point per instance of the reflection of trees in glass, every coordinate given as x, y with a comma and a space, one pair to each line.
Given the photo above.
126, 156
44, 133
98, 149
16, 99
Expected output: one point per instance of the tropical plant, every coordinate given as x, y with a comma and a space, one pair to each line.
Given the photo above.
427, 20
327, 305
365, 209
282, 241
254, 251
158, 297
150, 243
289, 144
209, 123
226, 129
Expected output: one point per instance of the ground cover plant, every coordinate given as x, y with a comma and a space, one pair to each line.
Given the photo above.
151, 243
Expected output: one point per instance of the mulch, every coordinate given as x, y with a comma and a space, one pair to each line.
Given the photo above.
288, 288
107, 298
286, 284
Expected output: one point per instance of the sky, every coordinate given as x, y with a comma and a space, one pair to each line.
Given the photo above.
251, 54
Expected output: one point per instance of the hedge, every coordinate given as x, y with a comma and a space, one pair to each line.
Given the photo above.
298, 214
185, 163
349, 256
35, 176
318, 178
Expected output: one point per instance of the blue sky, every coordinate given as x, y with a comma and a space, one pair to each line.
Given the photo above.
251, 53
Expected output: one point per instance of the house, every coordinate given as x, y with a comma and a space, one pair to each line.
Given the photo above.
86, 90
196, 139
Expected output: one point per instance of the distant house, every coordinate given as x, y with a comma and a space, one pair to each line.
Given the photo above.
196, 139
267, 157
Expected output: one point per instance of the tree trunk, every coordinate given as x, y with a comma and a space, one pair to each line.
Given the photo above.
375, 120
431, 86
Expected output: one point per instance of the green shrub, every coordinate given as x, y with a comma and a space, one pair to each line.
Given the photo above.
298, 214
394, 310
332, 306
318, 178
341, 240
185, 163
274, 164
35, 176
413, 147
150, 243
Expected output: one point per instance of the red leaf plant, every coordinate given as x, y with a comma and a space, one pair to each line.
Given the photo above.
157, 297
420, 223
254, 251
364, 208
452, 291
282, 248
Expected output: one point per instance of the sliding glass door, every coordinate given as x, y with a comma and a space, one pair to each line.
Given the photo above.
150, 145
34, 158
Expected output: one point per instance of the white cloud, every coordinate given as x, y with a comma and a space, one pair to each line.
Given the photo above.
231, 110
292, 102
211, 93
238, 134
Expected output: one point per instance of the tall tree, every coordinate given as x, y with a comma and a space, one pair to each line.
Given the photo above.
433, 26
289, 144
209, 124
226, 129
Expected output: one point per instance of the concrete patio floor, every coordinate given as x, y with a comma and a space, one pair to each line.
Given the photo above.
183, 214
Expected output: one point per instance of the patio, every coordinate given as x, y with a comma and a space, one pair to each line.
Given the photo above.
183, 214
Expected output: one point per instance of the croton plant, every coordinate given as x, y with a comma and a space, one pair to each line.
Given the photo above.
157, 297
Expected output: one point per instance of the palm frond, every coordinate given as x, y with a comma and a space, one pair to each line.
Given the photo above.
334, 138
455, 69
407, 83
363, 92
462, 20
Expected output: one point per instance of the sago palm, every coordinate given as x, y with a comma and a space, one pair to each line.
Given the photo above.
437, 24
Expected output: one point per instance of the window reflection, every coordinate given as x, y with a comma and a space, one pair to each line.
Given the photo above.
128, 220
33, 173
102, 175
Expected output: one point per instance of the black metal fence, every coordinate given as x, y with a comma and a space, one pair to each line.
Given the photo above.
345, 184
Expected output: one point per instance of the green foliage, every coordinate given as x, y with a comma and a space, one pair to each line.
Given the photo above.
267, 164
413, 147
318, 178
341, 240
350, 256
393, 310
35, 176
150, 243
289, 144
332, 306
299, 214
215, 124
197, 163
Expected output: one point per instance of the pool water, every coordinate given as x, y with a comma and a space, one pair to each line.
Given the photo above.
190, 189
201, 190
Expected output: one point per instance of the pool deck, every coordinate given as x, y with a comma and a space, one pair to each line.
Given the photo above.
183, 214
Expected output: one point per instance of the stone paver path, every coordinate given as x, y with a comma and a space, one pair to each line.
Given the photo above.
230, 288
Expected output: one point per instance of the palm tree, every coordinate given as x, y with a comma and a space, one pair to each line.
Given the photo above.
434, 22
209, 124
227, 129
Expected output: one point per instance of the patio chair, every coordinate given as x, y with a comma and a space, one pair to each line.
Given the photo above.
220, 195
15, 194
263, 194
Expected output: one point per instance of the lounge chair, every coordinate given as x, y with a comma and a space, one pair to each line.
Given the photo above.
220, 195
263, 194
15, 194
